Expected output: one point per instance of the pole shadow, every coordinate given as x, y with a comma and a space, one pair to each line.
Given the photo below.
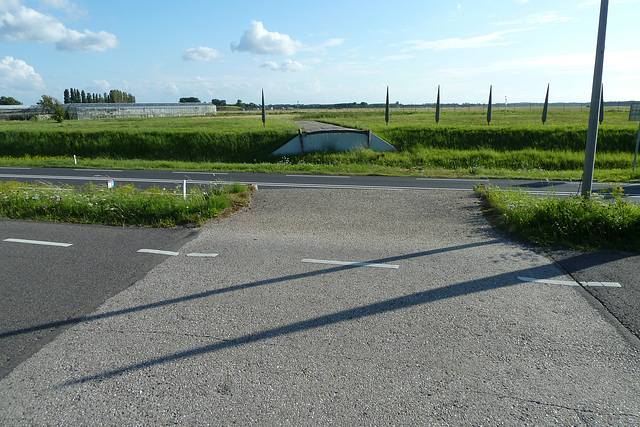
158, 304
386, 306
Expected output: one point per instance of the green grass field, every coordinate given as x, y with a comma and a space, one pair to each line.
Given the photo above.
515, 145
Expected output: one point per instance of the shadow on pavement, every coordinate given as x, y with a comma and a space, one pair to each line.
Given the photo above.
390, 305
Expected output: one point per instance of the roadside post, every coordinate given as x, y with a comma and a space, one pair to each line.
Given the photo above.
634, 115
594, 108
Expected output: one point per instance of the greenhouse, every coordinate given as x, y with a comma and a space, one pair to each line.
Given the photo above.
121, 111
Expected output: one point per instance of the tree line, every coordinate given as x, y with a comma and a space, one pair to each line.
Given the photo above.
75, 96
9, 100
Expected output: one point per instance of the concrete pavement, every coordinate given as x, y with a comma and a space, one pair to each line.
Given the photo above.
440, 331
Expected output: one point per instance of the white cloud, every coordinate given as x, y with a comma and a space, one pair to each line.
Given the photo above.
6, 5
494, 39
201, 54
260, 41
22, 24
87, 41
288, 65
17, 74
102, 85
538, 19
333, 42
396, 57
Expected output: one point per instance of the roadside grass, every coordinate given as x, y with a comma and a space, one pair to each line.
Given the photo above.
121, 206
592, 223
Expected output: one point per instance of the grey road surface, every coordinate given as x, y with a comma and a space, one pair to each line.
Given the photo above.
47, 286
340, 307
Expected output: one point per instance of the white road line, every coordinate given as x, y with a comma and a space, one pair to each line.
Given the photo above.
453, 179
39, 242
201, 173
98, 170
13, 167
195, 254
319, 176
158, 252
355, 264
605, 284
571, 283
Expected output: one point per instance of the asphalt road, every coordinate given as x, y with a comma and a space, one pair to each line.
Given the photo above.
172, 179
350, 307
45, 289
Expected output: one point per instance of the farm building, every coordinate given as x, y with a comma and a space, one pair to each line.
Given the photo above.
19, 112
121, 111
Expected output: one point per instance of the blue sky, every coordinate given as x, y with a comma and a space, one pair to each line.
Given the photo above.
318, 52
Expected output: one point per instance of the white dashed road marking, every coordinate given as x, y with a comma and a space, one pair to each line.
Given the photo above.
571, 283
158, 252
38, 242
355, 264
195, 254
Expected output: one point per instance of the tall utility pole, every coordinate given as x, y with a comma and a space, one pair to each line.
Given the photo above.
594, 112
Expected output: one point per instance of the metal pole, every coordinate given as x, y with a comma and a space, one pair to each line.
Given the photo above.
594, 113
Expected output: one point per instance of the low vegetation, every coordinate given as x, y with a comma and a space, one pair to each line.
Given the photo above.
582, 223
121, 206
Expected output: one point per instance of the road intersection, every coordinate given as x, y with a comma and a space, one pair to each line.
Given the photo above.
293, 323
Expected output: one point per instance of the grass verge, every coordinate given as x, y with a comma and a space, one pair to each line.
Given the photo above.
576, 222
121, 206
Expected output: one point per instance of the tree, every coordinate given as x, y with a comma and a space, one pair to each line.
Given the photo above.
9, 101
438, 106
240, 104
67, 97
53, 106
83, 97
219, 102
189, 99
545, 109
489, 107
386, 109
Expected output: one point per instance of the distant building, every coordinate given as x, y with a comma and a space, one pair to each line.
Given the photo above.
19, 112
121, 111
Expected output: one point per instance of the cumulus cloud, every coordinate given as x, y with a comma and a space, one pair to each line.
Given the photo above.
201, 54
22, 24
260, 41
288, 65
17, 74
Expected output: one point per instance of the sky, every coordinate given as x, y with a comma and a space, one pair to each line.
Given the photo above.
324, 52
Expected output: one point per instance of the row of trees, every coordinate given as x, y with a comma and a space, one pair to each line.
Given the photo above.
75, 96
9, 100
239, 103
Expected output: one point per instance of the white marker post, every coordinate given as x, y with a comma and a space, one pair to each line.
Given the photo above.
184, 189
